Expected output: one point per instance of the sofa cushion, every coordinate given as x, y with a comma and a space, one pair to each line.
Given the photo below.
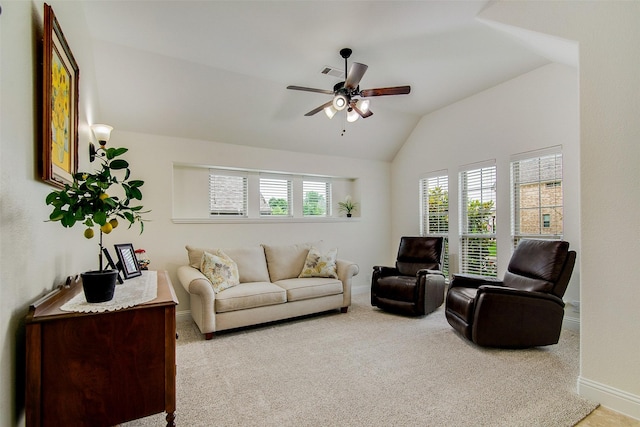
221, 271
300, 289
285, 261
320, 264
249, 295
251, 262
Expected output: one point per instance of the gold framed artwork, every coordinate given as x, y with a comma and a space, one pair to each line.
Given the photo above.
60, 105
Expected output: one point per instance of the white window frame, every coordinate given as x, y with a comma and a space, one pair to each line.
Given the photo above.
275, 186
478, 182
216, 178
310, 184
429, 182
541, 171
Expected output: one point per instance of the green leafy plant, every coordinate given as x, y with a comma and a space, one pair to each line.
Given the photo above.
348, 206
86, 200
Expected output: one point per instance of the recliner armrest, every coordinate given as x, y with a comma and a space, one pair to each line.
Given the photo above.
426, 271
473, 281
382, 271
503, 290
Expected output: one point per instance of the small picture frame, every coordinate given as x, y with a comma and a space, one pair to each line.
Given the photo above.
128, 262
112, 264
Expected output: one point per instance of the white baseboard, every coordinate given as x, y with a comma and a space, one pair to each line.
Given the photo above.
571, 323
617, 400
183, 315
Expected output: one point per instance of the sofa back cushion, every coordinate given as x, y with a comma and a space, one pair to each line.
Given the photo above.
286, 261
252, 266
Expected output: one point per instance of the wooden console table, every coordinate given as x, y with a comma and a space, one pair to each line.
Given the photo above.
101, 369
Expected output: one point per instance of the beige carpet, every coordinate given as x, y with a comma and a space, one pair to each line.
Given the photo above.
370, 368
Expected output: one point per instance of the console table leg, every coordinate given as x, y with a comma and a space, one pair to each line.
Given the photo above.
171, 418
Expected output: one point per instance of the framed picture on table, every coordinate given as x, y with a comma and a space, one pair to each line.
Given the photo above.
127, 260
59, 155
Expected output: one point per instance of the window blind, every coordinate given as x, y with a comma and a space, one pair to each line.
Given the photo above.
478, 250
434, 212
316, 198
537, 197
227, 193
275, 196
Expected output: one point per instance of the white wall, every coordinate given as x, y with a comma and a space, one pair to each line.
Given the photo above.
531, 112
363, 239
608, 35
35, 255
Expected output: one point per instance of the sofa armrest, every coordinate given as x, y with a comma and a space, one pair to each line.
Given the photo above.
194, 281
201, 298
426, 271
346, 270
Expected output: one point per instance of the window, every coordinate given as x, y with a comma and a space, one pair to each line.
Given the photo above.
316, 198
478, 250
434, 192
275, 196
536, 195
227, 193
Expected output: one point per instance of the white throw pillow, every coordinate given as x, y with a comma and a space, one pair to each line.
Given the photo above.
221, 271
320, 264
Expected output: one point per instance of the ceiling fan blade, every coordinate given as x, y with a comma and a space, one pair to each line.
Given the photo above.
310, 89
397, 90
364, 115
356, 72
320, 108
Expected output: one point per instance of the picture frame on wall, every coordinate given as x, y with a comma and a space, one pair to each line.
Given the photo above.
60, 73
128, 261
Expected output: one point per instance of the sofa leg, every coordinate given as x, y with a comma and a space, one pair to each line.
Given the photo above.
208, 335
344, 309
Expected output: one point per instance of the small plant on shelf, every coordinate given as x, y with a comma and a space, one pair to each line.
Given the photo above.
348, 206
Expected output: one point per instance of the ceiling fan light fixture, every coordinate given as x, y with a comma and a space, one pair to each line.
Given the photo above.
352, 116
340, 102
363, 105
330, 111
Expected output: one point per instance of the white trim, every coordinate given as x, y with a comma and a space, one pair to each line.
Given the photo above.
478, 165
262, 220
571, 323
183, 315
435, 174
543, 152
620, 401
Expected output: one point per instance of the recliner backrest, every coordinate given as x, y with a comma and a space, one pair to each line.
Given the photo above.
541, 266
417, 253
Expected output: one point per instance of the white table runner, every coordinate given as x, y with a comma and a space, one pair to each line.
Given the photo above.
132, 292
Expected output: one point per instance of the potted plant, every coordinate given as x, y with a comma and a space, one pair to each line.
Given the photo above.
87, 201
347, 206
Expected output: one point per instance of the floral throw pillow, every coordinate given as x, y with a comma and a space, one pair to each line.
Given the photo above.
320, 264
221, 271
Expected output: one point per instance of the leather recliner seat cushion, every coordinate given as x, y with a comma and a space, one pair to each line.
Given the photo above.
399, 288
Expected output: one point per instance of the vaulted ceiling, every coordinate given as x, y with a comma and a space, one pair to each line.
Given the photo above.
218, 70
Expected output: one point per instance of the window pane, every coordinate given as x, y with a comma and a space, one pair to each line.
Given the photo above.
478, 250
316, 198
537, 200
435, 211
227, 194
275, 197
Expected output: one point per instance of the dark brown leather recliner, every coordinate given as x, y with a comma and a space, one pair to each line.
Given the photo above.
415, 286
525, 309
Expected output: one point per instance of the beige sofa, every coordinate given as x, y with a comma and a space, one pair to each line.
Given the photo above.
269, 288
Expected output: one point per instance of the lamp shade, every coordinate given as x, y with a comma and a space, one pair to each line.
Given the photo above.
339, 102
352, 116
330, 111
363, 105
102, 132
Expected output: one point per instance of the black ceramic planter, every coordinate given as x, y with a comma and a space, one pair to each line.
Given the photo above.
99, 286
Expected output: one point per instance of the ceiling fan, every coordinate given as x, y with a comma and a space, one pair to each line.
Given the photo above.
347, 94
